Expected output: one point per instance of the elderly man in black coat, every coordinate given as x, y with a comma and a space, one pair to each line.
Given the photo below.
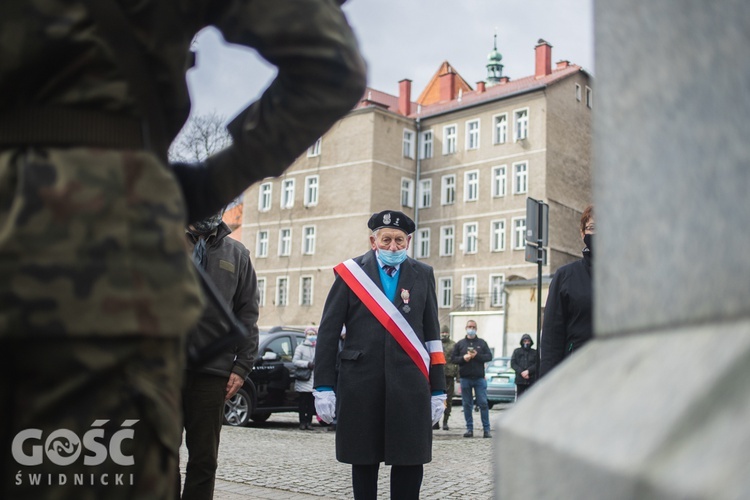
391, 383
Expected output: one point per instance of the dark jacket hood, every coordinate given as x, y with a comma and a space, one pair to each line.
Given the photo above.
524, 337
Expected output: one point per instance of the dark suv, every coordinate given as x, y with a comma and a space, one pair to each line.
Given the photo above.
269, 388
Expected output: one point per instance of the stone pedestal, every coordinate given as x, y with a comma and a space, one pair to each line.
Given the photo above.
657, 405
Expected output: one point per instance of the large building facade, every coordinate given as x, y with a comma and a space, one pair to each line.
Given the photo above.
461, 161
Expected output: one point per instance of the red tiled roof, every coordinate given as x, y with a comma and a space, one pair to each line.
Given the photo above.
374, 97
431, 93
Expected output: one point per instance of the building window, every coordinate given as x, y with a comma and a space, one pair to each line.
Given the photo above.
287, 193
425, 193
450, 137
305, 291
519, 233
311, 190
469, 291
407, 192
472, 134
261, 247
589, 97
497, 297
471, 185
498, 181
470, 237
497, 236
447, 239
285, 242
314, 150
578, 93
408, 144
521, 124
261, 292
425, 151
445, 292
448, 189
282, 291
423, 243
500, 135
308, 240
264, 198
520, 177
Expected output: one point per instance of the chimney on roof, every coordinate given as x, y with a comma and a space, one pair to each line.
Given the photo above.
447, 84
404, 97
504, 80
480, 86
562, 64
543, 59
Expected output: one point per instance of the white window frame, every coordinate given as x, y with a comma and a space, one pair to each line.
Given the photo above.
499, 181
285, 242
448, 191
445, 292
426, 150
496, 286
265, 197
450, 139
469, 299
261, 292
589, 97
302, 289
408, 148
471, 185
314, 150
578, 92
519, 233
308, 240
521, 177
287, 194
500, 128
423, 243
312, 184
425, 193
472, 134
282, 300
497, 235
407, 192
520, 124
447, 241
261, 244
471, 237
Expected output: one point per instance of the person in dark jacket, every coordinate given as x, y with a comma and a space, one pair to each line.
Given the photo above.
451, 373
567, 315
470, 354
227, 263
523, 361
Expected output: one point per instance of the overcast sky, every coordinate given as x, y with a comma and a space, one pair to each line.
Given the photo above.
410, 39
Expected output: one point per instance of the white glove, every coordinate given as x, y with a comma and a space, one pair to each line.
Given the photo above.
438, 407
325, 405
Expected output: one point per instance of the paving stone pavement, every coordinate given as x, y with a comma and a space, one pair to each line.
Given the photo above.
277, 461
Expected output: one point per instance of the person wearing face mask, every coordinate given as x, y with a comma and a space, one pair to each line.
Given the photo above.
524, 362
304, 357
568, 313
470, 354
391, 383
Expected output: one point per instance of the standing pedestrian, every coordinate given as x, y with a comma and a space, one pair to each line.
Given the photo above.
391, 381
451, 373
470, 354
524, 362
304, 362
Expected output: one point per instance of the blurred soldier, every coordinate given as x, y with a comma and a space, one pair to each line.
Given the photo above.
97, 291
391, 380
451, 372
524, 362
227, 262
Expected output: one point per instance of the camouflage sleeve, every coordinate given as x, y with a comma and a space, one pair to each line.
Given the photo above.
321, 75
246, 309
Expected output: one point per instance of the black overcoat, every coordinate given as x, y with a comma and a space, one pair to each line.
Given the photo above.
383, 399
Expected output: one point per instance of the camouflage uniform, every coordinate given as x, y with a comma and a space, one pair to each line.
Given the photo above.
96, 288
451, 374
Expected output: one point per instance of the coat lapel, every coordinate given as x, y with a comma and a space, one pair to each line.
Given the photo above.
370, 267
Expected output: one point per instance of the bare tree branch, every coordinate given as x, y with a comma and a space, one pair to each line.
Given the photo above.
202, 136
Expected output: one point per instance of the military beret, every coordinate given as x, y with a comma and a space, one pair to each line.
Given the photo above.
391, 218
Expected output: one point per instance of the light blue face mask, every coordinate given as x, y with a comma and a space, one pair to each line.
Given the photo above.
392, 258
312, 338
471, 332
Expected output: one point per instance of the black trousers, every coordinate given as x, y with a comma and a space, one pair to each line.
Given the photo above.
306, 407
406, 481
521, 388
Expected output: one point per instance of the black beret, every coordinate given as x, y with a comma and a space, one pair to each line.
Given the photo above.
391, 218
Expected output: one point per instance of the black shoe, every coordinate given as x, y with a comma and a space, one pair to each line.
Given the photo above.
302, 427
487, 434
308, 427
332, 428
436, 426
469, 434
445, 427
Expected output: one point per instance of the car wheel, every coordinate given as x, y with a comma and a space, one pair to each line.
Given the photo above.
260, 417
237, 409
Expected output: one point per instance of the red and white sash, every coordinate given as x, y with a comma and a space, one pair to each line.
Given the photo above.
390, 317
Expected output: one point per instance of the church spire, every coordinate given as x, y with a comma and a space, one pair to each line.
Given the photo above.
494, 68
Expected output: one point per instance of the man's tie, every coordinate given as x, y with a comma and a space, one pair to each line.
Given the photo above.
389, 270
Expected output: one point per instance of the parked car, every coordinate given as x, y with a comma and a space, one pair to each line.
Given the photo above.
269, 387
492, 368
